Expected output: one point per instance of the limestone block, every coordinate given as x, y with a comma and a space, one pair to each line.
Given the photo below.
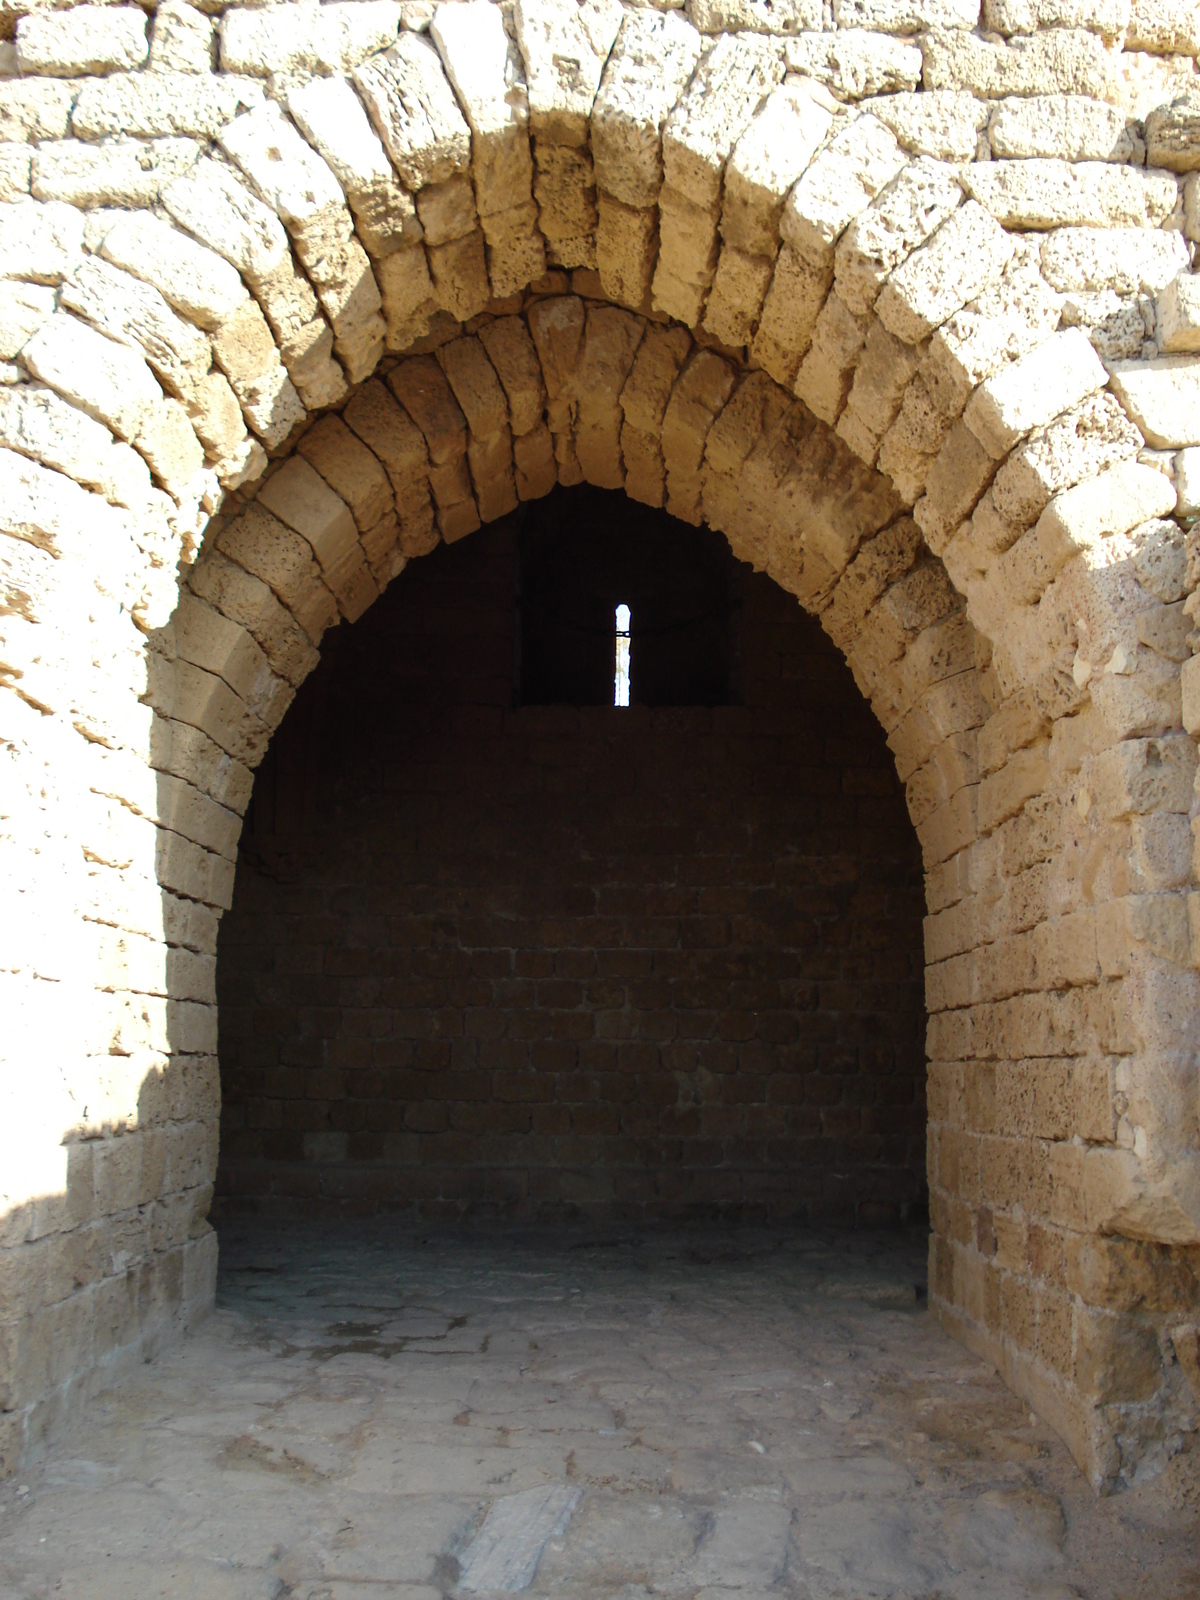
447, 210
476, 386
660, 356
108, 381
789, 314
611, 340
516, 252
966, 254
565, 189
36, 422
216, 209
651, 63
485, 68
422, 389
855, 63
1113, 502
1160, 560
35, 108
565, 47
701, 390
1166, 26
840, 183
884, 371
395, 439
245, 463
1032, 390
1086, 440
86, 40
1069, 126
457, 513
1053, 194
1191, 207
943, 123
767, 160
736, 300
39, 242
1057, 61
626, 247
415, 113
136, 314
181, 39
309, 38
756, 16
406, 291
216, 416
1126, 260
198, 283
825, 374
557, 327
687, 256
265, 548
536, 468
16, 171
459, 272
332, 119
1162, 397
169, 444
1177, 314
1173, 134
23, 309
961, 472
127, 172
905, 16
912, 206
150, 103
514, 360
1187, 481
243, 346
1109, 18
492, 474
728, 87
350, 469
300, 498
757, 405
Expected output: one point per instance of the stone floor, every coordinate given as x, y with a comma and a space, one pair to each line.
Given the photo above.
377, 1414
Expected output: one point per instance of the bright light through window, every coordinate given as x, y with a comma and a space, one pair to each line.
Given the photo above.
621, 679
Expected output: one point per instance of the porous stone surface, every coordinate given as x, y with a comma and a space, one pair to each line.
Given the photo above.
222, 228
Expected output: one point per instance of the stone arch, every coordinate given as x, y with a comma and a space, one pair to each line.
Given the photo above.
273, 330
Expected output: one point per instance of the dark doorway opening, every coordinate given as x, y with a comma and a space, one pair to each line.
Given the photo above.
494, 958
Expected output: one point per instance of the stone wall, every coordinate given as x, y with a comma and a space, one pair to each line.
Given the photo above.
658, 962
900, 298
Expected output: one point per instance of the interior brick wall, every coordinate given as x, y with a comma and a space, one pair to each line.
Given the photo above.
657, 961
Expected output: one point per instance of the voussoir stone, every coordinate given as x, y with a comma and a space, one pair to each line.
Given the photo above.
1042, 193
81, 42
220, 212
414, 110
23, 309
109, 381
767, 160
1027, 394
729, 86
840, 183
135, 313
196, 281
654, 57
181, 39
39, 241
912, 206
485, 68
565, 45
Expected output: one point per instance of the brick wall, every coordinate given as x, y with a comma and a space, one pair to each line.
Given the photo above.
656, 960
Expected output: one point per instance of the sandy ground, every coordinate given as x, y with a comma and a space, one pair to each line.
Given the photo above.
378, 1414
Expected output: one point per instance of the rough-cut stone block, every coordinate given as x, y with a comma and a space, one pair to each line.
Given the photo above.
475, 384
968, 251
912, 206
1070, 126
23, 309
299, 496
181, 39
350, 469
1079, 518
389, 432
757, 16
415, 113
136, 314
36, 422
687, 256
1163, 397
1177, 314
306, 38
789, 314
151, 103
42, 242
1054, 194
565, 189
216, 416
943, 123
962, 471
654, 57
840, 183
1030, 392
564, 45
703, 387
730, 84
422, 389
1167, 26
626, 245
516, 251
168, 441
1089, 438
1173, 134
84, 41
265, 548
855, 63
1126, 260
484, 66
447, 210
610, 343
198, 283
905, 16
1058, 61
406, 290
826, 372
124, 173
35, 108
1109, 18
109, 381
738, 291
656, 366
216, 209
459, 272
766, 161
511, 352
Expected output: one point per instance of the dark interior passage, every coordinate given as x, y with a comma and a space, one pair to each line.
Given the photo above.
661, 960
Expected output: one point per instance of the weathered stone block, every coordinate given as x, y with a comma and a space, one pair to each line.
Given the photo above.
84, 41
651, 62
1162, 397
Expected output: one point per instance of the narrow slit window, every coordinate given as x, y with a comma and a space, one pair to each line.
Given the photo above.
621, 676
